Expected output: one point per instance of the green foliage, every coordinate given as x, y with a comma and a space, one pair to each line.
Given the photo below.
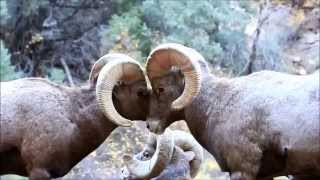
130, 24
125, 5
4, 16
213, 27
57, 75
13, 177
127, 22
6, 69
249, 7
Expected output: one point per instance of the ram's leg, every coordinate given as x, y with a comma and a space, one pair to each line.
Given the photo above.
244, 160
39, 174
36, 157
241, 176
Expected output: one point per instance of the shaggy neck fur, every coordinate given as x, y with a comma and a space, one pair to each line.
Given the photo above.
92, 126
200, 113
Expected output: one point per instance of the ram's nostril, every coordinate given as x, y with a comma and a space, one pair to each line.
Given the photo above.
148, 126
146, 154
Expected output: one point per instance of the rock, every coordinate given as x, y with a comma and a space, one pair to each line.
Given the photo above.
106, 162
288, 39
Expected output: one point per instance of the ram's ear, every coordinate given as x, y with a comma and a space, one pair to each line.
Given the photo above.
96, 68
94, 74
115, 91
179, 79
189, 155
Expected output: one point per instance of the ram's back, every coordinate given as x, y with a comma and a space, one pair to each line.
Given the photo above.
285, 109
288, 103
30, 107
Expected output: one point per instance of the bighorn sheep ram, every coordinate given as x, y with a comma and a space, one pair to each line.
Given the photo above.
175, 155
47, 128
257, 126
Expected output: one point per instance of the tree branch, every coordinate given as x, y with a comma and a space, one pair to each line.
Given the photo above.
67, 71
261, 20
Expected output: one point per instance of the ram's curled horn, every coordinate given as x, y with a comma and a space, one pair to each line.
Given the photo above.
187, 142
169, 55
158, 162
118, 67
98, 65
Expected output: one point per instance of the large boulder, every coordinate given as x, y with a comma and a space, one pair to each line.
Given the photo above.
285, 37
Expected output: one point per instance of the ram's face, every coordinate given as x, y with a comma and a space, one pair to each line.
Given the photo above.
175, 76
164, 91
132, 100
121, 88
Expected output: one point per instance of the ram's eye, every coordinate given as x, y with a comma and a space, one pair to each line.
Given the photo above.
146, 154
142, 93
139, 93
160, 90
120, 83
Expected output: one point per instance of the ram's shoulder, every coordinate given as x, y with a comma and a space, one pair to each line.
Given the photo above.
38, 82
31, 83
271, 75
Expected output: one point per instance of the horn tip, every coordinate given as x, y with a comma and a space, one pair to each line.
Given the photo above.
178, 105
125, 124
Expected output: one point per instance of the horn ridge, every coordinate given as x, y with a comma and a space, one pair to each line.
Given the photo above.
108, 77
186, 59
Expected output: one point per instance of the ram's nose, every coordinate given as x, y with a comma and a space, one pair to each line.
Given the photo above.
154, 126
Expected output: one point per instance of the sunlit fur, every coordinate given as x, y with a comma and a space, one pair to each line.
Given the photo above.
262, 125
46, 128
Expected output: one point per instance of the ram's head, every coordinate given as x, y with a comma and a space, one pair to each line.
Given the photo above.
121, 86
171, 82
172, 154
175, 73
